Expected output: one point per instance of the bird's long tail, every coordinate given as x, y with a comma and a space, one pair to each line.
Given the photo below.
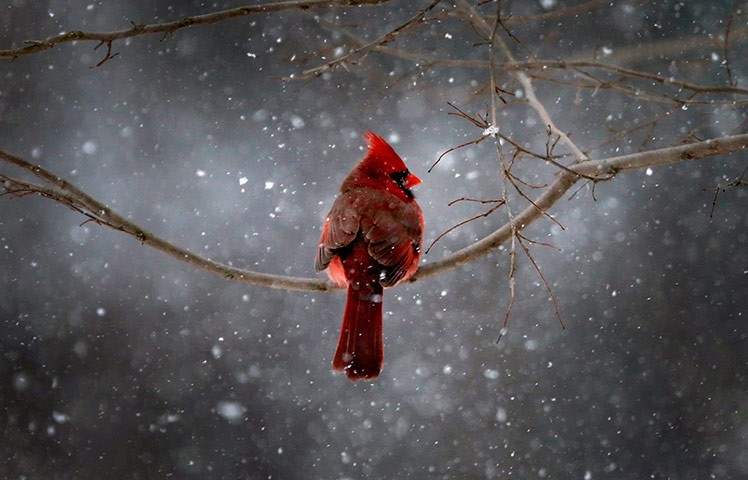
360, 352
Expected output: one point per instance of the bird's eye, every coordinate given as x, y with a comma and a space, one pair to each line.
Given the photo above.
399, 178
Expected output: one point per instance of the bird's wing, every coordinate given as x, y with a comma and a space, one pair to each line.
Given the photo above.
340, 229
394, 237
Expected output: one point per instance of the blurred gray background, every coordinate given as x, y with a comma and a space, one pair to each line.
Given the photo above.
116, 358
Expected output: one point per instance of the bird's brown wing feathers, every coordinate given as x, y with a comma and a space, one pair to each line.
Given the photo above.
391, 228
394, 241
340, 229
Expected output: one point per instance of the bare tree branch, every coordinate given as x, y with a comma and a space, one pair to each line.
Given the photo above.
604, 168
107, 38
64, 192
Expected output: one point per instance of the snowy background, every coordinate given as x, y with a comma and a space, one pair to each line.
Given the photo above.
116, 358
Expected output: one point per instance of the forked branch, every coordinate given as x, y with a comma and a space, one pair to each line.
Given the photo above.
604, 168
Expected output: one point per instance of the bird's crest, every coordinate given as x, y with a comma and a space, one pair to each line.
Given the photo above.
383, 154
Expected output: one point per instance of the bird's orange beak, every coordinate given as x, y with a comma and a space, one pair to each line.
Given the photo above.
411, 181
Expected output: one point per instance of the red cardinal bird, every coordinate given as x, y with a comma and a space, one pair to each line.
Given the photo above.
371, 239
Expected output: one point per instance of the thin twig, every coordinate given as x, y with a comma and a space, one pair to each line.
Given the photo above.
386, 38
108, 55
512, 277
499, 21
452, 149
726, 50
522, 240
512, 180
458, 225
476, 200
738, 182
512, 274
